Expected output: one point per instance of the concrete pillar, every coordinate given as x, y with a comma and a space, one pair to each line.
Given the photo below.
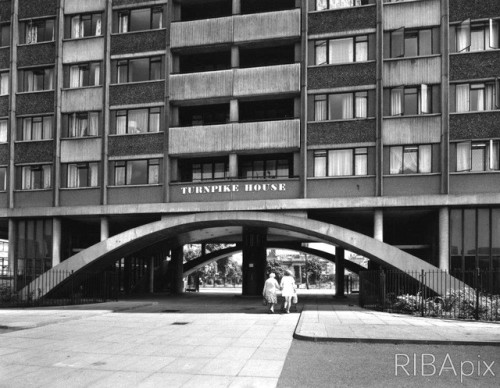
378, 225
174, 116
339, 272
234, 114
236, 7
104, 228
151, 274
297, 52
175, 268
56, 241
233, 166
127, 274
235, 57
12, 246
444, 239
174, 170
254, 260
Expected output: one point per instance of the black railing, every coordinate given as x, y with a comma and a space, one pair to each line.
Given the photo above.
465, 295
57, 288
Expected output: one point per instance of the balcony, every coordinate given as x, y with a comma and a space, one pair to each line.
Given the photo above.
83, 50
412, 71
236, 82
282, 134
82, 99
241, 28
412, 14
424, 129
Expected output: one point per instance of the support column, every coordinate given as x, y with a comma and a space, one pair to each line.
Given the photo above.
12, 247
378, 225
339, 272
233, 166
235, 57
56, 241
254, 260
444, 239
234, 114
175, 268
104, 228
236, 7
151, 274
127, 272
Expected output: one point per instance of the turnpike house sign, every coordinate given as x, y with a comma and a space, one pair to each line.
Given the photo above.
233, 188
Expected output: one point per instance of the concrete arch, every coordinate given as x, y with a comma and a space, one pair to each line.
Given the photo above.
201, 261
140, 237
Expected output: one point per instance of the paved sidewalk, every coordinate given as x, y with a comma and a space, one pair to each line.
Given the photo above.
329, 319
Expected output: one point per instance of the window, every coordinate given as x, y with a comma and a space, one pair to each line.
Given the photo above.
35, 128
33, 80
84, 25
36, 31
4, 35
411, 159
265, 167
36, 177
412, 100
136, 121
138, 70
83, 74
4, 130
411, 43
334, 4
81, 175
343, 106
81, 124
341, 162
204, 170
478, 155
3, 178
4, 83
140, 19
474, 36
137, 172
344, 50
473, 97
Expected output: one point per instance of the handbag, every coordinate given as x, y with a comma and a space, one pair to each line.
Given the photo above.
264, 302
295, 298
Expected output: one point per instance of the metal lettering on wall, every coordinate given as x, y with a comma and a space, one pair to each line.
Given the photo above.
233, 188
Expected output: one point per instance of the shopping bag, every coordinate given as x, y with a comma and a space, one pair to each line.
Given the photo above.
295, 298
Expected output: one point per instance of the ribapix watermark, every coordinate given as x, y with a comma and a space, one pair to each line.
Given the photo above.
427, 365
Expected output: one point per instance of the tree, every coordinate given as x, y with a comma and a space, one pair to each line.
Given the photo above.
274, 265
313, 269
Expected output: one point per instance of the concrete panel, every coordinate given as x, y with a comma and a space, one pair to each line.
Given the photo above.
202, 139
412, 14
411, 130
79, 6
413, 71
80, 197
34, 198
201, 85
81, 100
474, 183
138, 194
269, 25
267, 80
411, 185
341, 187
83, 50
201, 32
4, 200
81, 150
132, 240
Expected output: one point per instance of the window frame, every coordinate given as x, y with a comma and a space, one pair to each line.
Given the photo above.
485, 85
128, 14
27, 26
24, 74
324, 99
153, 110
468, 26
127, 69
329, 5
356, 154
425, 104
4, 130
126, 166
87, 71
488, 161
42, 169
5, 39
89, 168
93, 25
397, 42
4, 85
406, 150
21, 136
70, 133
265, 161
356, 40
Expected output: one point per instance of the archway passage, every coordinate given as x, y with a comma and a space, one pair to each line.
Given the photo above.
201, 261
193, 228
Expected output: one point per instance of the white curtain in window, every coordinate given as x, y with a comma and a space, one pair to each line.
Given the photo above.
74, 77
153, 176
340, 162
463, 98
26, 178
341, 50
320, 165
94, 174
27, 129
154, 122
463, 156
321, 4
463, 36
119, 175
97, 74
29, 79
494, 155
73, 176
47, 176
489, 98
76, 27
47, 128
123, 23
396, 102
361, 106
37, 130
477, 38
138, 121
340, 3
31, 33
49, 79
83, 124
3, 131
396, 160
72, 125
347, 106
98, 27
424, 159
494, 34
4, 84
410, 160
121, 125
361, 164
480, 99
320, 110
424, 99
93, 124
320, 52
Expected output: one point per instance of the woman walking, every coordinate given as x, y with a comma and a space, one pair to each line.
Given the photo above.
288, 289
271, 286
